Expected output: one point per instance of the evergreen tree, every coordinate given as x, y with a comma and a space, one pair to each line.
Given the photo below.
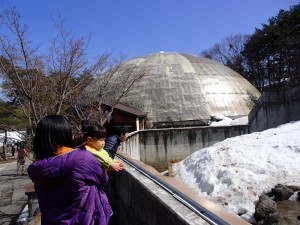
273, 52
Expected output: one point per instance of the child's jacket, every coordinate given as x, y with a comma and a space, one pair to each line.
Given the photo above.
102, 156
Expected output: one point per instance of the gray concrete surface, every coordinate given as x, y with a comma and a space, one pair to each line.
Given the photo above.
158, 147
12, 191
136, 199
275, 108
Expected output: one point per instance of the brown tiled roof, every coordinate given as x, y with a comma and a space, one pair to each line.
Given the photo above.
129, 109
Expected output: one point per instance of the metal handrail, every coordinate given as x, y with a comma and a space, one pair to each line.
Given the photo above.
203, 212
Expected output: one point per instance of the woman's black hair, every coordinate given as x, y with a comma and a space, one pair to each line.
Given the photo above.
52, 131
93, 131
118, 130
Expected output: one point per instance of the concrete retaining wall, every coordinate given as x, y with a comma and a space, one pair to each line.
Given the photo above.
136, 200
158, 147
275, 108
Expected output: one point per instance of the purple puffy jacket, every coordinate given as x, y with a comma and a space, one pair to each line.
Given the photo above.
69, 189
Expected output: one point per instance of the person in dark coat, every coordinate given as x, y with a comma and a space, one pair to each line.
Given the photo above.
113, 141
13, 150
68, 182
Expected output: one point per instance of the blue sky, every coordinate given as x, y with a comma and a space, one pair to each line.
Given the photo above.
139, 27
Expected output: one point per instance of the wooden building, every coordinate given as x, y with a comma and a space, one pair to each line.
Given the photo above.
127, 116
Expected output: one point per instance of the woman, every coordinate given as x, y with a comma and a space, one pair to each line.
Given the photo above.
68, 182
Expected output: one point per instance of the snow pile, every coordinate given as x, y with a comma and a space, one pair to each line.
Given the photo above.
12, 136
220, 120
236, 171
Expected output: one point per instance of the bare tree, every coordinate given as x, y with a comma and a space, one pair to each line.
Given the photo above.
40, 85
4, 143
67, 65
228, 52
114, 82
20, 67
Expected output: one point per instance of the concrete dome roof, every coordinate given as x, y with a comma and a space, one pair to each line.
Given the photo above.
182, 87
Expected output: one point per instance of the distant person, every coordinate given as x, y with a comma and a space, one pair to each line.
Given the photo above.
21, 160
113, 141
68, 182
13, 150
93, 141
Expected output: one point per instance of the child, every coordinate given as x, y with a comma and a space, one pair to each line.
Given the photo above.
94, 140
113, 141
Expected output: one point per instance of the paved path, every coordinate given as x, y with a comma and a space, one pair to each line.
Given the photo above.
12, 191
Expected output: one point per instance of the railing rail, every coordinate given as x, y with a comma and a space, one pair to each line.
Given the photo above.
204, 213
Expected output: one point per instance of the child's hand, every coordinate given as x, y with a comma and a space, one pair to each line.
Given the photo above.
121, 162
116, 166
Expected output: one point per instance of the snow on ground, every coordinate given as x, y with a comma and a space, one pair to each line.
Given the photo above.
12, 136
236, 171
226, 121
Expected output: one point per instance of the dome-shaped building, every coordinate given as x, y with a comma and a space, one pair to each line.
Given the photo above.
185, 89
